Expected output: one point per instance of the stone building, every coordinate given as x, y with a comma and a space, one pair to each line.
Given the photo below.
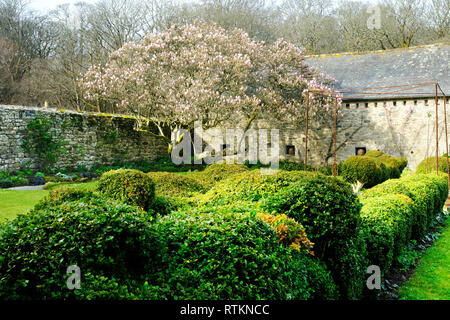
400, 121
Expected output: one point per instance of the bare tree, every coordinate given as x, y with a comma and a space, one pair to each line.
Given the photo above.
438, 15
403, 22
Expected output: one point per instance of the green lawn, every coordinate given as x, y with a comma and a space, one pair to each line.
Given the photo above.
13, 202
431, 280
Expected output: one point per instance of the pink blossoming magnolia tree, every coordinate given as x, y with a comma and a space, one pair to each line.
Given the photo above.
201, 72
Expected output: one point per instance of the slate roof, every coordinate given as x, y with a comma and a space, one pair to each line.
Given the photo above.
421, 64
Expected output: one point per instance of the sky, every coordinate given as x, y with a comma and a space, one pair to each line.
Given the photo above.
46, 5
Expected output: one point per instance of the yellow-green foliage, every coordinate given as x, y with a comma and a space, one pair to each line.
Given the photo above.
429, 164
428, 191
399, 210
176, 185
386, 223
127, 185
362, 169
372, 168
217, 172
374, 153
251, 186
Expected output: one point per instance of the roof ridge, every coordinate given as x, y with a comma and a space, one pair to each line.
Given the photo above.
360, 53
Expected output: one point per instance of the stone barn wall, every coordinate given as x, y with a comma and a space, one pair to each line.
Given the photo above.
401, 128
91, 138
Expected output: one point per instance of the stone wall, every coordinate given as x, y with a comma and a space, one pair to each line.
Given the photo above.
91, 138
402, 128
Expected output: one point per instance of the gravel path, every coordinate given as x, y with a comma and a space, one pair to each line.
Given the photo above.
28, 188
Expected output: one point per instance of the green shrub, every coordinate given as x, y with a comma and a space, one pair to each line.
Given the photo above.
251, 186
325, 206
320, 283
420, 207
8, 181
105, 238
428, 192
386, 223
217, 172
329, 211
61, 195
291, 165
429, 164
373, 153
431, 189
176, 185
231, 255
164, 205
372, 168
347, 261
393, 165
131, 186
363, 169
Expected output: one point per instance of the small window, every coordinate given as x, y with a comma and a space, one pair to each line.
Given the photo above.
367, 105
415, 102
376, 104
357, 105
347, 105
290, 150
360, 151
404, 103
426, 102
394, 103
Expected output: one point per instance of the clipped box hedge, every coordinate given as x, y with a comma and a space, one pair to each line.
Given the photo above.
428, 165
128, 185
372, 168
231, 255
326, 206
386, 227
399, 210
109, 240
251, 186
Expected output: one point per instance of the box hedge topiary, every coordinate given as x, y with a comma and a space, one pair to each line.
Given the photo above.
219, 171
386, 223
131, 186
251, 186
329, 211
372, 168
428, 192
104, 237
362, 169
374, 153
231, 255
428, 165
176, 185
325, 206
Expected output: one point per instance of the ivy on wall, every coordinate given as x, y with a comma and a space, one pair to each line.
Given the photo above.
42, 142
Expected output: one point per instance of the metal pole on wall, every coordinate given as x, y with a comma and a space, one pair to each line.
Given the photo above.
437, 135
335, 137
446, 138
306, 131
